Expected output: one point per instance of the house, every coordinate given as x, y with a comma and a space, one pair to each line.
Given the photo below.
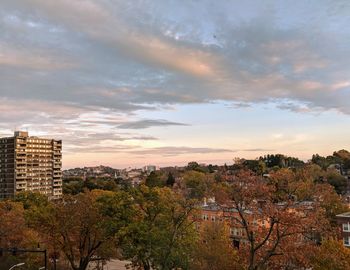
344, 223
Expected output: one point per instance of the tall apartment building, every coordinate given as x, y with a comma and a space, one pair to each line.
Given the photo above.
30, 164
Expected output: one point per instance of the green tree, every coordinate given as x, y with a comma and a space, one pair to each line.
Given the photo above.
31, 199
281, 161
197, 183
320, 161
171, 180
154, 179
162, 237
73, 187
194, 166
257, 166
339, 182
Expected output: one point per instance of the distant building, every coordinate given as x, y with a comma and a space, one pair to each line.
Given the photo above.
212, 212
149, 168
344, 222
30, 164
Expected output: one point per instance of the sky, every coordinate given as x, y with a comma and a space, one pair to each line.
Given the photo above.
131, 83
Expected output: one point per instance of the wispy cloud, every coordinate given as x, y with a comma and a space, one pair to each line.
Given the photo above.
176, 150
147, 123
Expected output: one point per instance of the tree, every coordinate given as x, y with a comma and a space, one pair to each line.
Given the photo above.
75, 227
193, 166
343, 158
171, 180
197, 184
330, 201
288, 224
257, 166
281, 161
320, 161
303, 186
331, 255
154, 180
221, 192
163, 234
13, 229
285, 184
212, 168
73, 187
339, 182
31, 199
214, 251
14, 233
312, 172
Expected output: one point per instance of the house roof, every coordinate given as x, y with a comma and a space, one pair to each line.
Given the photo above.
346, 214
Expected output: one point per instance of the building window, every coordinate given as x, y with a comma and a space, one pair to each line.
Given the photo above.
346, 241
346, 227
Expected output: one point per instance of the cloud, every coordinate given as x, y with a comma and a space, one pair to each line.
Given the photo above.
184, 150
92, 68
257, 150
147, 123
175, 151
99, 149
201, 53
31, 59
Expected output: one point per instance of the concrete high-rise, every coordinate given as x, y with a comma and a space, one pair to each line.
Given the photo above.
30, 164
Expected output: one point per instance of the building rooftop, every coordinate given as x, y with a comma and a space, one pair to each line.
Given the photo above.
346, 214
21, 133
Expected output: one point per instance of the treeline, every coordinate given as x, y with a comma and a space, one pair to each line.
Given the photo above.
332, 169
76, 185
161, 227
287, 217
198, 177
151, 228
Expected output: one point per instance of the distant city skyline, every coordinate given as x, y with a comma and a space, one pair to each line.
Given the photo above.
131, 83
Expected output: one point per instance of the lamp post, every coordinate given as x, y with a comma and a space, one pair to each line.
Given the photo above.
16, 251
16, 265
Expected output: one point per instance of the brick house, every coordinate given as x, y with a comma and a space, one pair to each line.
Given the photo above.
344, 223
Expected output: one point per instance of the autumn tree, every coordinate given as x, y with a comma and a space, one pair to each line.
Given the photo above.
343, 157
214, 250
75, 227
331, 255
285, 227
330, 201
14, 233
